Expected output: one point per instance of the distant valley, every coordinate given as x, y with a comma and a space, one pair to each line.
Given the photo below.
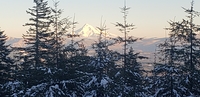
89, 34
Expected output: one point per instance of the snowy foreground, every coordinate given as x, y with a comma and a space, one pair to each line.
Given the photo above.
92, 85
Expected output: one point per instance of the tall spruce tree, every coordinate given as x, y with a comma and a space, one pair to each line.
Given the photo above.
5, 61
73, 59
72, 50
60, 28
99, 81
38, 52
185, 33
131, 68
38, 36
182, 58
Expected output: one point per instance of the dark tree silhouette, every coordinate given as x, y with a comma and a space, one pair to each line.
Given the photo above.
60, 28
101, 67
38, 36
167, 71
39, 41
6, 64
180, 59
131, 68
185, 33
5, 61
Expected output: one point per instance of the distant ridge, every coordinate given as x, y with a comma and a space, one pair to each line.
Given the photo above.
15, 42
90, 34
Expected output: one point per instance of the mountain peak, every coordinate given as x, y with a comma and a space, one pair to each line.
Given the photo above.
88, 31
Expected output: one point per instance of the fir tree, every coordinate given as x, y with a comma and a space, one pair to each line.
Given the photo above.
131, 68
38, 36
181, 59
185, 33
167, 72
6, 65
73, 60
99, 82
5, 61
39, 41
60, 28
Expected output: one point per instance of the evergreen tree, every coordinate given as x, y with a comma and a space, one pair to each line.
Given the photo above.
131, 68
38, 36
5, 61
181, 59
6, 64
185, 33
130, 81
39, 41
102, 65
60, 28
74, 48
73, 59
167, 72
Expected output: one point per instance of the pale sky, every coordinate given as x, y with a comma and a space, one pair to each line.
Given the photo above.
150, 17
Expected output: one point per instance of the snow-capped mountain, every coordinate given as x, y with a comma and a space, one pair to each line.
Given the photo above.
90, 31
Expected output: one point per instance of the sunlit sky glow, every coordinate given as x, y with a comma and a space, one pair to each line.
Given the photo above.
150, 17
